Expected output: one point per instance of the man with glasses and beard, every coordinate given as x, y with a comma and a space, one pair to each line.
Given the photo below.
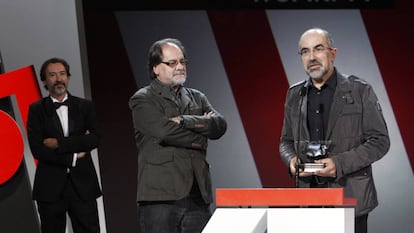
62, 131
337, 112
172, 126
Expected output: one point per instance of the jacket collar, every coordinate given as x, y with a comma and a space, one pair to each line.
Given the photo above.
168, 92
165, 91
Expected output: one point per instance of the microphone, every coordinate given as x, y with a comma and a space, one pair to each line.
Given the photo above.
304, 89
302, 93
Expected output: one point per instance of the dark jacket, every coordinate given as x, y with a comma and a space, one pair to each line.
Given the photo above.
52, 168
356, 130
172, 155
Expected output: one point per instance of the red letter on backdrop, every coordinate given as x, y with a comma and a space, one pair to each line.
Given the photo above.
23, 85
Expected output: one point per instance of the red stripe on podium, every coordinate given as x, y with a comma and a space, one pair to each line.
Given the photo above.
283, 197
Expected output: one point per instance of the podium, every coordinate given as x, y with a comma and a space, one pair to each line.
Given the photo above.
282, 210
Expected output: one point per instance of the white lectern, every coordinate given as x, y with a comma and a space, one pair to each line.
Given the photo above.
287, 210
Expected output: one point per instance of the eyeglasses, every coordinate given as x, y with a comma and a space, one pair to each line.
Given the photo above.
305, 52
174, 63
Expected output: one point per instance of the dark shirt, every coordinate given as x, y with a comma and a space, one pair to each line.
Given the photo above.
319, 106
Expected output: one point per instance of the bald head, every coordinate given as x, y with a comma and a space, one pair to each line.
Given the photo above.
322, 32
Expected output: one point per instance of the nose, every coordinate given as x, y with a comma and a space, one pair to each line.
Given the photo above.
312, 54
59, 77
180, 66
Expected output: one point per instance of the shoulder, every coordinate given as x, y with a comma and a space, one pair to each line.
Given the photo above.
81, 104
38, 104
142, 92
353, 79
298, 85
142, 95
352, 82
193, 91
298, 88
79, 100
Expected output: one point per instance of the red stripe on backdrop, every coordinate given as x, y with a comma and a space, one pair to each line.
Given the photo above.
259, 85
391, 39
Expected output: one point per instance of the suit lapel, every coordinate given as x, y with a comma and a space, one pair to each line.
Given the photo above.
51, 113
185, 99
72, 109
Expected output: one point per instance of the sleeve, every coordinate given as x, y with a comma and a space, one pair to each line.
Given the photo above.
35, 134
375, 140
286, 146
150, 120
212, 127
86, 138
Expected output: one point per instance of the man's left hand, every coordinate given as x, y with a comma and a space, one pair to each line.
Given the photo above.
329, 170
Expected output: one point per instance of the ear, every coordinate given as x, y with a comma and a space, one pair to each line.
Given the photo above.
155, 70
333, 52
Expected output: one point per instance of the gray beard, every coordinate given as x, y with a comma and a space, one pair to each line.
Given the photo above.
176, 83
59, 92
317, 74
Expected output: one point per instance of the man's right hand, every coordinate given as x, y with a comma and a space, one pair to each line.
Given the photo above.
292, 167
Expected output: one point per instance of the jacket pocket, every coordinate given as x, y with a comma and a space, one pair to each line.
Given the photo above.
160, 157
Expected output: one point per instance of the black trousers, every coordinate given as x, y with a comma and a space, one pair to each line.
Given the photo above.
361, 224
83, 214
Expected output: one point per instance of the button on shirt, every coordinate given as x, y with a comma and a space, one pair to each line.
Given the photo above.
319, 107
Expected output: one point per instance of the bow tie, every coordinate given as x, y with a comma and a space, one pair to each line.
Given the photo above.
59, 104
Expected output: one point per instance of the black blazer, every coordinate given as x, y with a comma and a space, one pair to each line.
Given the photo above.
53, 165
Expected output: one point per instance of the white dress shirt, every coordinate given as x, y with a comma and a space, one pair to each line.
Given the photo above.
62, 112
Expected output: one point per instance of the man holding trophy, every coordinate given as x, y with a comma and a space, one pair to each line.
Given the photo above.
333, 127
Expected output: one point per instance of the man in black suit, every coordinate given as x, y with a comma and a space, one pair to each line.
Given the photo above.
62, 131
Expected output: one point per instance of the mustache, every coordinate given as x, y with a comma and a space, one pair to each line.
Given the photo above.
59, 83
313, 63
179, 73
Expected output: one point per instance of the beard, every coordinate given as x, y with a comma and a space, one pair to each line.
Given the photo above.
59, 89
179, 79
316, 73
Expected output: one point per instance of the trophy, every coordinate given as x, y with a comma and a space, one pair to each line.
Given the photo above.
315, 151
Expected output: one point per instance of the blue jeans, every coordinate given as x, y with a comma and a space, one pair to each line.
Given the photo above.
183, 216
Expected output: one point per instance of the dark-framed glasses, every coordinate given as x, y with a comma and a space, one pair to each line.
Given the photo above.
174, 63
305, 52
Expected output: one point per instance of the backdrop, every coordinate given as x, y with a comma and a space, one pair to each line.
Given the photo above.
244, 61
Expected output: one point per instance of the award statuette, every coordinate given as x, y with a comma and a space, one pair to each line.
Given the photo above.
315, 151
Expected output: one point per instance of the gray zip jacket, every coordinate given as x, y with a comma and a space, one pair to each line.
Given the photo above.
171, 155
357, 133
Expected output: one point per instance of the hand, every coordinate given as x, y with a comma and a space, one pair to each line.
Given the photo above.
176, 119
80, 155
51, 143
329, 170
292, 166
211, 113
